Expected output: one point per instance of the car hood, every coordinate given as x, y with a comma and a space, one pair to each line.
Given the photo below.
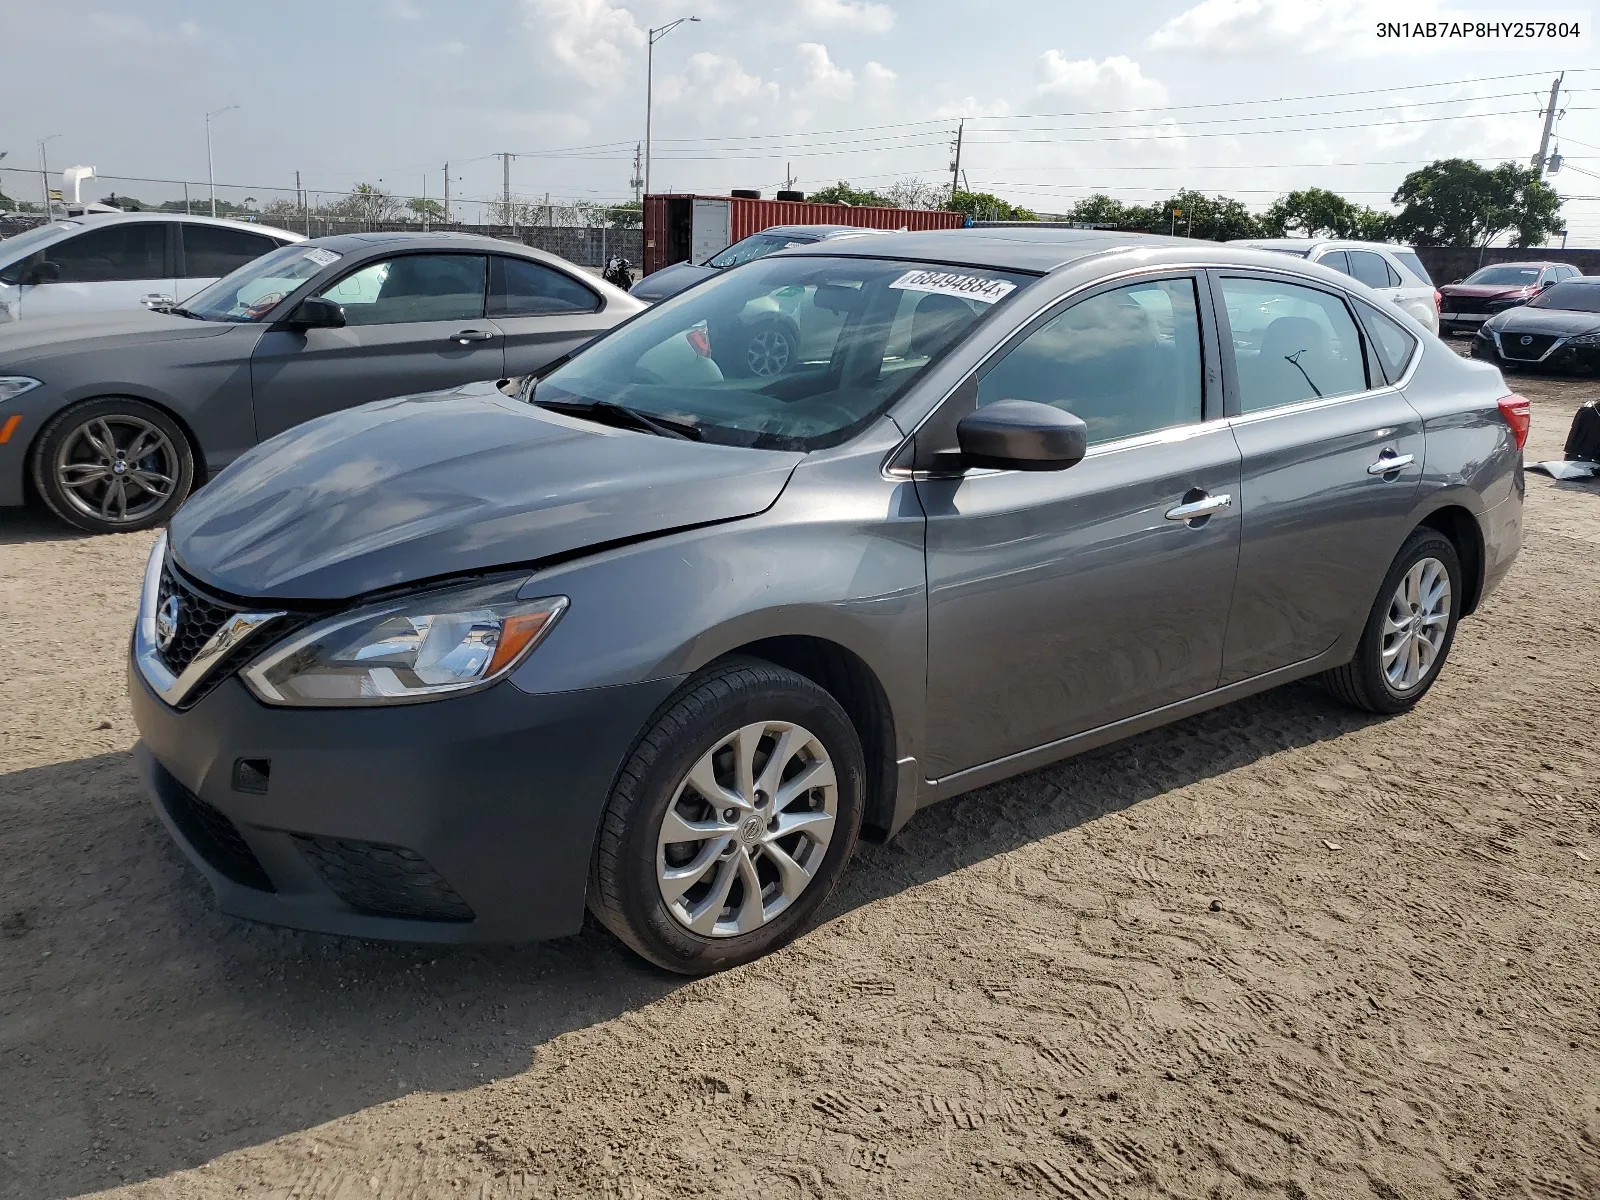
448, 484
669, 281
1558, 321
42, 337
1480, 291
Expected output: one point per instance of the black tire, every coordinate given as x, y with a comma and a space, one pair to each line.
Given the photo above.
172, 460
1362, 682
624, 892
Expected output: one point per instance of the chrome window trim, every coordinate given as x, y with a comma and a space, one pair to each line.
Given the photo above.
174, 688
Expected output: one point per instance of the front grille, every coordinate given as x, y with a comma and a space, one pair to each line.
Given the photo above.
215, 838
199, 616
1465, 304
384, 881
1511, 345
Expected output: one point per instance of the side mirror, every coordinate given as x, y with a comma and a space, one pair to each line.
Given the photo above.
1022, 435
317, 312
1453, 282
45, 272
1547, 283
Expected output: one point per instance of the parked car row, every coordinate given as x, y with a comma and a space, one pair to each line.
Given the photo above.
653, 632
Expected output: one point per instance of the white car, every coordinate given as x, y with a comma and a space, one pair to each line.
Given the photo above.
1390, 270
103, 261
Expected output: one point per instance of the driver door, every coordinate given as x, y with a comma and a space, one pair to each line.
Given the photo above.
414, 323
102, 269
1060, 601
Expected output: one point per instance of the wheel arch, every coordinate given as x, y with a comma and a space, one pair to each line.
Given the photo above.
47, 423
848, 678
1461, 527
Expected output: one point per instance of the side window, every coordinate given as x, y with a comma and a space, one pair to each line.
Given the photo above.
135, 250
1369, 268
1394, 276
1126, 361
1291, 343
413, 287
210, 251
529, 289
1336, 260
1394, 344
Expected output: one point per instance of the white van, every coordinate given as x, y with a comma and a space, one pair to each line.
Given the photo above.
104, 261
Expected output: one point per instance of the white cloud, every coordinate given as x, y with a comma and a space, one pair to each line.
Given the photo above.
453, 48
1116, 79
857, 16
1340, 28
592, 39
404, 10
717, 79
819, 76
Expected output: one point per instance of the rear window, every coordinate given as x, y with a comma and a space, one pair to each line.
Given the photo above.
1409, 260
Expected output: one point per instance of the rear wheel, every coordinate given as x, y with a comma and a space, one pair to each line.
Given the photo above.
732, 820
113, 466
1409, 631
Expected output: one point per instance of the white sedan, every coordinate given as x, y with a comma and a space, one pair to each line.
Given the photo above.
104, 261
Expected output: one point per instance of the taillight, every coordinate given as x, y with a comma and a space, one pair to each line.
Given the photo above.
699, 340
1438, 300
1515, 410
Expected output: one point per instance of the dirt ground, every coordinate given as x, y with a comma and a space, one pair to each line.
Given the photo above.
1280, 950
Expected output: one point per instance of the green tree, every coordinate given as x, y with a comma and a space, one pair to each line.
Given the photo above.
985, 206
627, 215
1099, 209
125, 203
843, 193
424, 209
1217, 218
1310, 212
1455, 202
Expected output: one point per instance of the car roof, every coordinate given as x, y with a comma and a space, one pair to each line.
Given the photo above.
816, 231
1309, 244
99, 218
1541, 263
355, 243
1022, 249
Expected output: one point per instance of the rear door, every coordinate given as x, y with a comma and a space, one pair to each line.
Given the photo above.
1332, 458
208, 252
108, 266
541, 312
415, 323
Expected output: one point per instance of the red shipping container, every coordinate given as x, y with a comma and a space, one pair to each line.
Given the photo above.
679, 227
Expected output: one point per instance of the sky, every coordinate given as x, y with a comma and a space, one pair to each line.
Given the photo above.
1062, 98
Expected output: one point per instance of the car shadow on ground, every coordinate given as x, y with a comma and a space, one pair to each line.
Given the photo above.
151, 1033
21, 526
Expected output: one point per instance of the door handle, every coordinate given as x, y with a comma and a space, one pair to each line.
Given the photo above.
1389, 462
1203, 507
467, 336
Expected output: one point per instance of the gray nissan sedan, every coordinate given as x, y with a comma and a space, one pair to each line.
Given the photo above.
114, 418
664, 638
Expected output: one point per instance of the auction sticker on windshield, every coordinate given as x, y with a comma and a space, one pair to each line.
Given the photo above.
321, 257
953, 283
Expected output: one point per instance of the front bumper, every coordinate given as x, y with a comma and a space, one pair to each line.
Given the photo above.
470, 819
1563, 355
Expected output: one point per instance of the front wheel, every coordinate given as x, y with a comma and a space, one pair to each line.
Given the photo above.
113, 466
1409, 631
731, 821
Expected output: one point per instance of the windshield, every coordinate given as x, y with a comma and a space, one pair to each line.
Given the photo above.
757, 245
256, 288
1509, 276
1574, 297
790, 353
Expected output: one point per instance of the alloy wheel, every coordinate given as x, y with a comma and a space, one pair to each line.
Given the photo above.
1415, 627
768, 353
117, 468
747, 830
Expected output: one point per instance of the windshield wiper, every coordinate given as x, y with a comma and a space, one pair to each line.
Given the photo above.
597, 409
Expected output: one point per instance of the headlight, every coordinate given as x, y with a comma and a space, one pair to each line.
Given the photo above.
1586, 339
416, 648
12, 386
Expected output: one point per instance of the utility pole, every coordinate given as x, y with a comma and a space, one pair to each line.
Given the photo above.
505, 163
1550, 115
211, 174
637, 182
955, 167
300, 198
44, 179
424, 202
186, 209
447, 193
788, 177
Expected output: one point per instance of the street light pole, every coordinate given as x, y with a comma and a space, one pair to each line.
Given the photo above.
44, 179
211, 176
654, 36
